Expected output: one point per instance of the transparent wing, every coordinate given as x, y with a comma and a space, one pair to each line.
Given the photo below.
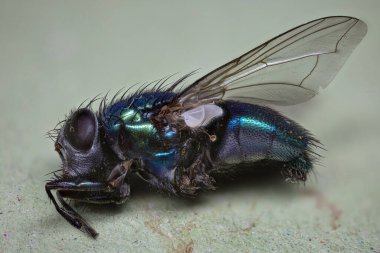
285, 70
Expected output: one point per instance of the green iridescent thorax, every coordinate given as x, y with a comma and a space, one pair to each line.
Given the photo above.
132, 133
141, 135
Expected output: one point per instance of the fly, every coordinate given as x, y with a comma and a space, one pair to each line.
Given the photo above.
177, 138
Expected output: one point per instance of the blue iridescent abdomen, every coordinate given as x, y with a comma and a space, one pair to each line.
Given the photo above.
249, 133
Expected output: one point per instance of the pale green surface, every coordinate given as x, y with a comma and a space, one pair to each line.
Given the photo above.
55, 54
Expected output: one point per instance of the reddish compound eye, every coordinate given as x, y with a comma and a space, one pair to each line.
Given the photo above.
81, 129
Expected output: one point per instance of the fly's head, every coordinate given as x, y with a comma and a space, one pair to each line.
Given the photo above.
79, 146
91, 172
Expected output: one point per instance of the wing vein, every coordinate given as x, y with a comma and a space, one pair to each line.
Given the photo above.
312, 70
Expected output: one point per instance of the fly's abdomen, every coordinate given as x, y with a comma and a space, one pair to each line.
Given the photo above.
250, 133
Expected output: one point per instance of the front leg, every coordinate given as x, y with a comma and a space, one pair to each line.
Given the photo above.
66, 210
114, 190
117, 178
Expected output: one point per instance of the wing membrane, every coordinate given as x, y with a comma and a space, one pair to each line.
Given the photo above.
286, 70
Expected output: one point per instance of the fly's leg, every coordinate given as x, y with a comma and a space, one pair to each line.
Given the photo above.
191, 179
115, 190
118, 192
117, 180
66, 211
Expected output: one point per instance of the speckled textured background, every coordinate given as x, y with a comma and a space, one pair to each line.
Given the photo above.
55, 54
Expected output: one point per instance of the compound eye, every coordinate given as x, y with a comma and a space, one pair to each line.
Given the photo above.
81, 129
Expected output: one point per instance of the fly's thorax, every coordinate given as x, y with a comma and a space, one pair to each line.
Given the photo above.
139, 137
130, 129
165, 165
